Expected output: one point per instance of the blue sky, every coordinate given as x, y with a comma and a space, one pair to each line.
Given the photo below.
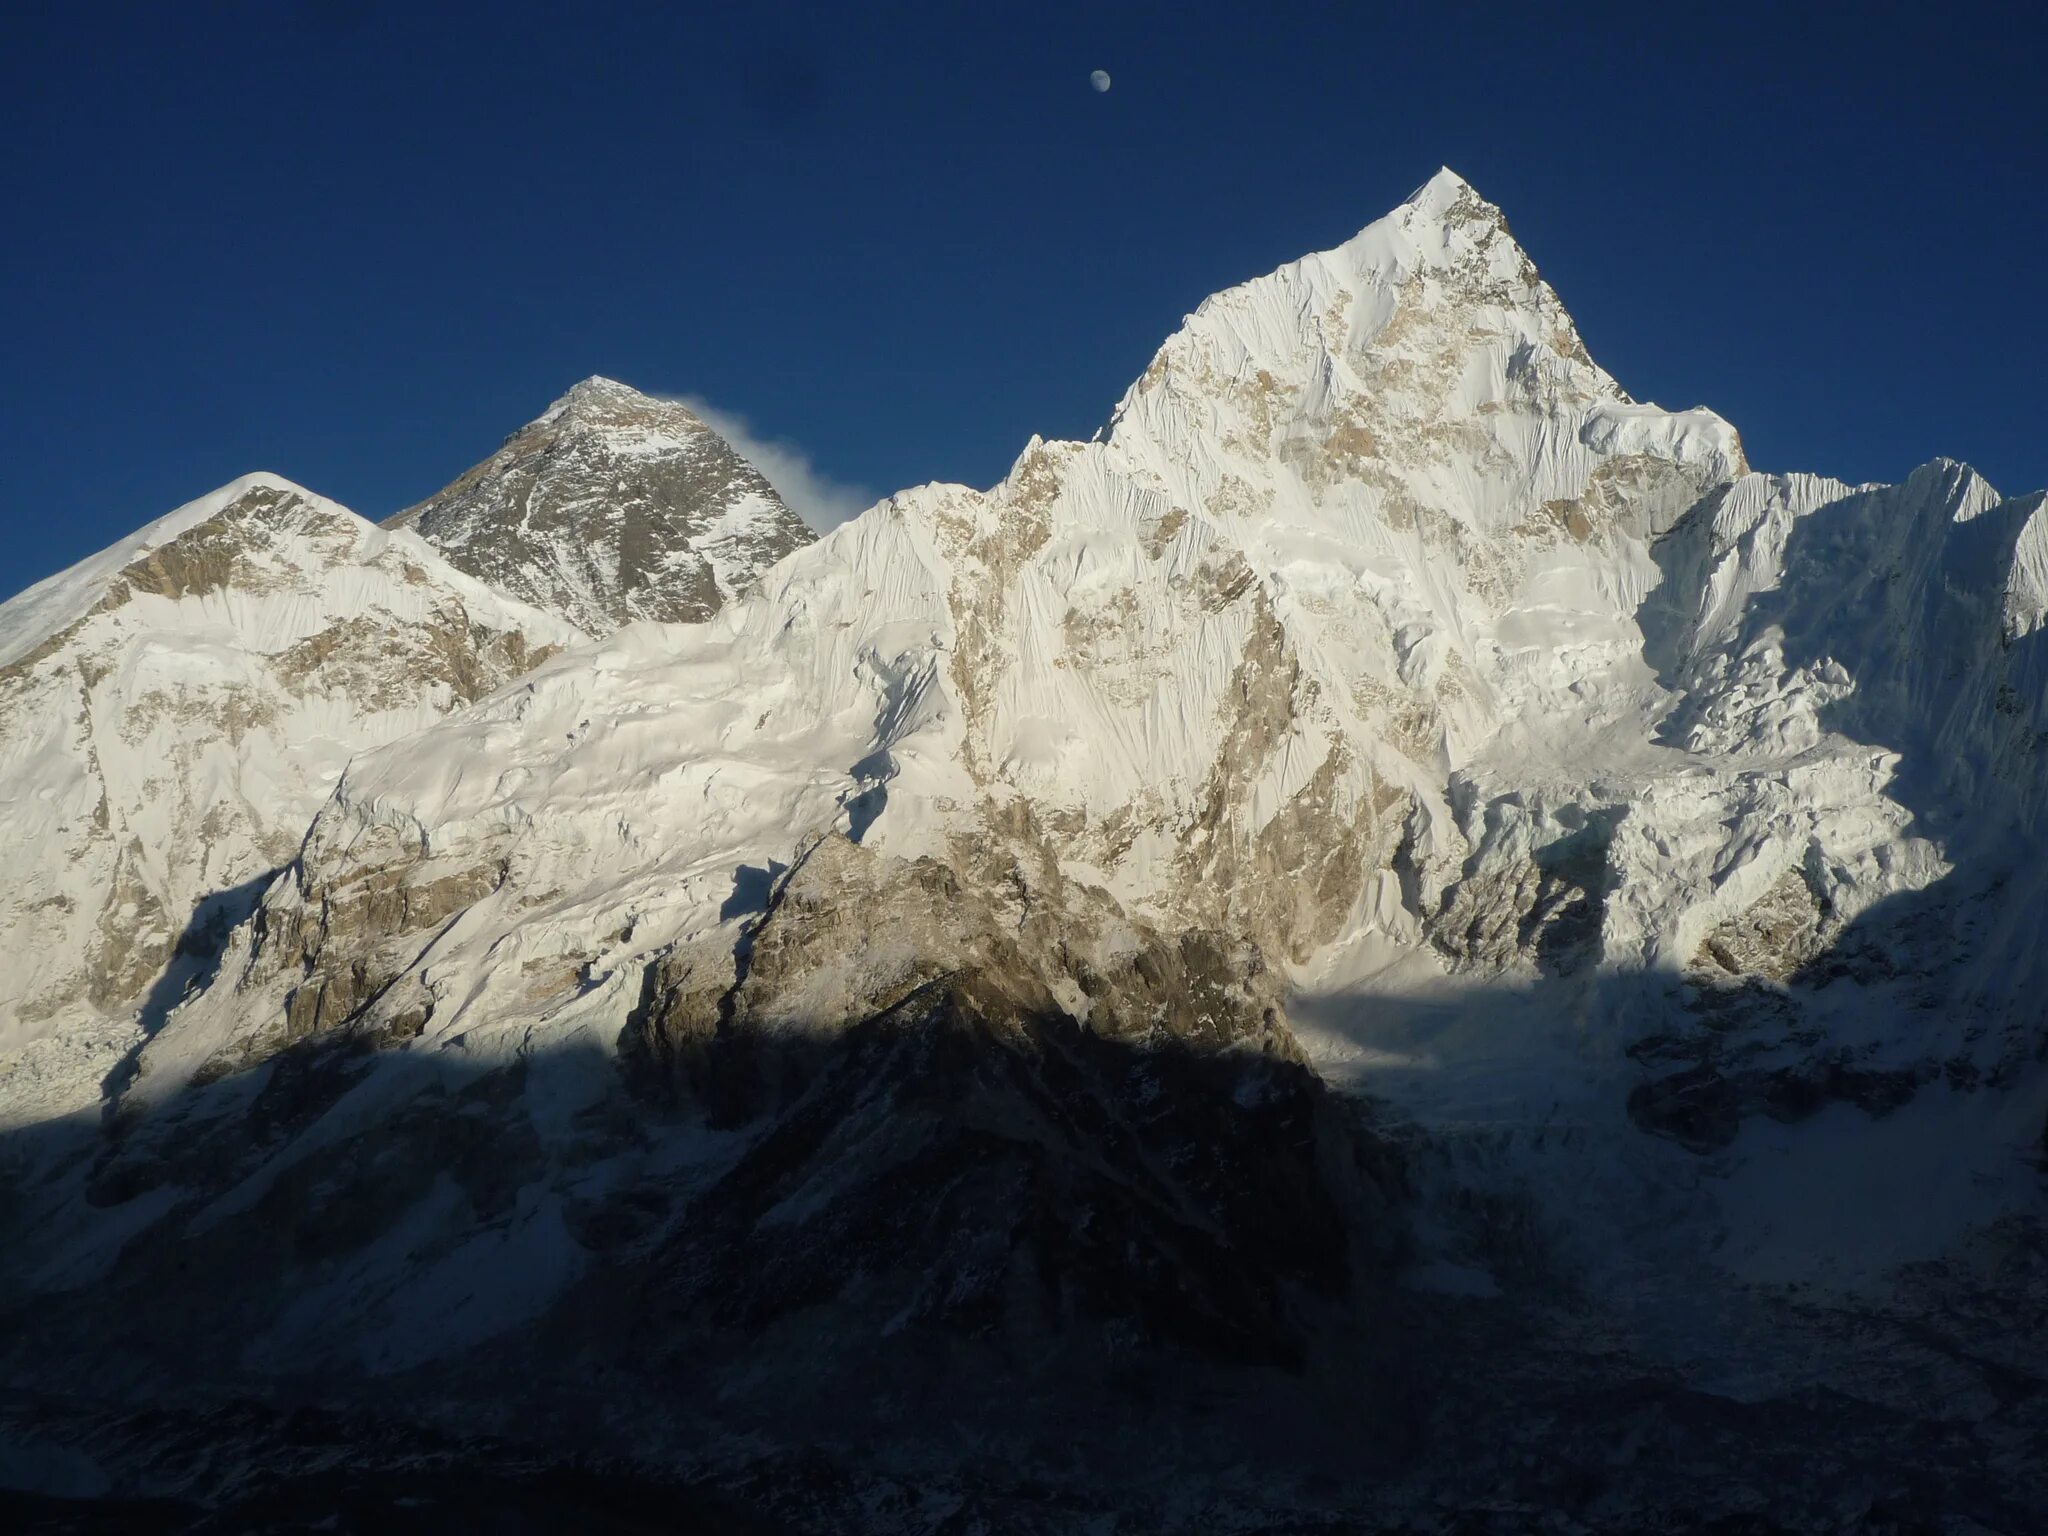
359, 243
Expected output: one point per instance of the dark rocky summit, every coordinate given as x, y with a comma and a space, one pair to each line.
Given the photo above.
612, 507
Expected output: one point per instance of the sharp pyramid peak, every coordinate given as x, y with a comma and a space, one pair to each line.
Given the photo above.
1444, 225
1446, 204
1440, 191
1438, 224
1427, 228
612, 506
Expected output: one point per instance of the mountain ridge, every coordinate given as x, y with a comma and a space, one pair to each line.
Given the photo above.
176, 707
1398, 909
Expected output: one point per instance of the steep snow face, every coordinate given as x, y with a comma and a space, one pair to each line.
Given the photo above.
174, 710
1848, 708
1865, 657
1899, 616
610, 508
1423, 459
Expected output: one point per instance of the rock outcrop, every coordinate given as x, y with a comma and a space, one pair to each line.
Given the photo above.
612, 507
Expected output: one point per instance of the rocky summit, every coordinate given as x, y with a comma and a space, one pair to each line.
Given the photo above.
610, 508
1401, 941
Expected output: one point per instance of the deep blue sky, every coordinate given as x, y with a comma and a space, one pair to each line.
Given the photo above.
359, 243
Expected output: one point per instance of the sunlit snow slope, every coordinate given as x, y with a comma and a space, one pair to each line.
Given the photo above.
172, 712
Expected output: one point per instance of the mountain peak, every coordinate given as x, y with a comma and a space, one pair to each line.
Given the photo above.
194, 691
610, 507
1443, 216
601, 402
1954, 486
31, 616
598, 384
1440, 191
1429, 315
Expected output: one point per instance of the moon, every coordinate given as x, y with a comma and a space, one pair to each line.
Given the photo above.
1099, 78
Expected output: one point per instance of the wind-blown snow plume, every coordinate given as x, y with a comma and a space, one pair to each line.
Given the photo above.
815, 496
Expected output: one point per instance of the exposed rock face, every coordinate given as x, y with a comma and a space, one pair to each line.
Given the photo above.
851, 936
949, 1141
1774, 938
173, 711
612, 507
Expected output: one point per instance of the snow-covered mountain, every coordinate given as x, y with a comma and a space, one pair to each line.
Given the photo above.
1400, 924
173, 711
609, 508
1359, 519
